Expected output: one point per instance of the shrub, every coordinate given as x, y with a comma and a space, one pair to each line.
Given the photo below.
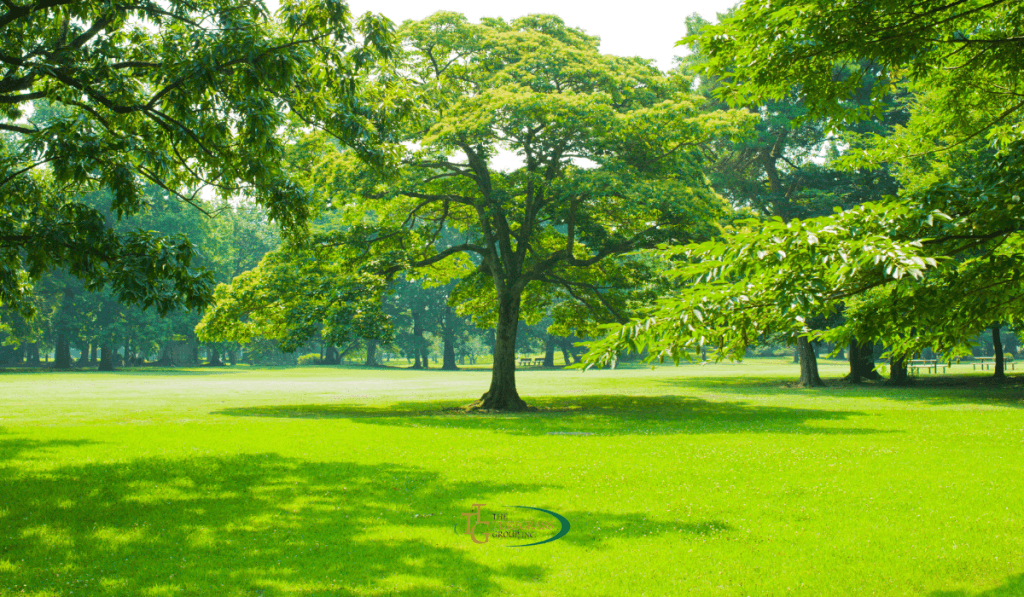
1007, 357
310, 359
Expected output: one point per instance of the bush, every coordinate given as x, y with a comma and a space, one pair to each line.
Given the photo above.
310, 359
1008, 357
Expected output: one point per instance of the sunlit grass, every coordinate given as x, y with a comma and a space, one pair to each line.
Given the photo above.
704, 480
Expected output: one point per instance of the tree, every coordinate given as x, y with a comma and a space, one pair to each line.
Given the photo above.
787, 168
294, 295
610, 164
957, 220
178, 94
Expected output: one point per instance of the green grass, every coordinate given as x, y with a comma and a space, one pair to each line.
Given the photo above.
717, 480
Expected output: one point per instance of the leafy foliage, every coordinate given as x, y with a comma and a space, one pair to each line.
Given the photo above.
182, 95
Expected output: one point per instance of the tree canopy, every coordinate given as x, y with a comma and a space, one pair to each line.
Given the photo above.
183, 95
608, 163
937, 262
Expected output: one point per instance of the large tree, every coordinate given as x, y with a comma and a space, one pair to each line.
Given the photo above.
180, 94
955, 226
608, 163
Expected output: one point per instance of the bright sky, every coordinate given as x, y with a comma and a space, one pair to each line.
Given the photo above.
646, 28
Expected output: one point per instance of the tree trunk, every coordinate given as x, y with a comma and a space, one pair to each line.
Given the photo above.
997, 347
332, 356
808, 364
32, 354
83, 359
568, 348
796, 353
92, 352
214, 358
371, 354
233, 358
898, 372
419, 348
62, 354
862, 363
549, 351
502, 394
107, 356
565, 353
448, 363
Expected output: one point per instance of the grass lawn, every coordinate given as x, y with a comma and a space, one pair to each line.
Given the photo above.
717, 480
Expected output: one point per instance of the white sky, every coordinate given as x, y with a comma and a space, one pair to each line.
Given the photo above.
646, 28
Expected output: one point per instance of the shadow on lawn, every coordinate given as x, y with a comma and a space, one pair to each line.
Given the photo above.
1013, 587
599, 415
255, 524
938, 390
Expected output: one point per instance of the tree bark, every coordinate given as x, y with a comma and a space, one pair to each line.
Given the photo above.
808, 364
549, 350
32, 354
107, 356
62, 353
214, 360
502, 394
371, 354
332, 356
862, 363
898, 372
419, 343
448, 363
569, 349
83, 359
997, 347
92, 352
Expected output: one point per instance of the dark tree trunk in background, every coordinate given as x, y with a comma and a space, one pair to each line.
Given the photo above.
32, 354
569, 349
565, 353
371, 354
448, 363
107, 356
549, 350
62, 354
502, 394
332, 356
898, 372
419, 343
83, 358
195, 354
92, 352
997, 347
796, 353
862, 363
215, 358
233, 357
808, 364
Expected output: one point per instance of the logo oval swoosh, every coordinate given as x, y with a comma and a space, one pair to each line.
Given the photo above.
561, 519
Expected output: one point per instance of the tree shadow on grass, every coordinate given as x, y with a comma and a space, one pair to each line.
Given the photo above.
597, 415
935, 390
13, 448
241, 525
590, 529
1013, 587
